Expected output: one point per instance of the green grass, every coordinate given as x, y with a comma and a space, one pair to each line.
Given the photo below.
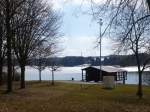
42, 97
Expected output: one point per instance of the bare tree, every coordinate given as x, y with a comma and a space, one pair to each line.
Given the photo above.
54, 66
129, 21
2, 44
137, 41
43, 51
40, 65
37, 22
9, 10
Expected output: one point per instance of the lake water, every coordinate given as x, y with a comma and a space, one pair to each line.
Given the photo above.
66, 73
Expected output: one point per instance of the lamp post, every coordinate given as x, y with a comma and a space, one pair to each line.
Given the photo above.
100, 44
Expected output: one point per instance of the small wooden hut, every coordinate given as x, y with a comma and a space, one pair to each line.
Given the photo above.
92, 73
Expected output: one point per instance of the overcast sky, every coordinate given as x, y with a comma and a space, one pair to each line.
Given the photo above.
79, 29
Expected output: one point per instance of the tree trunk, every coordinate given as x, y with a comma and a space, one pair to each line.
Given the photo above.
52, 77
9, 71
40, 79
124, 80
9, 59
1, 73
22, 86
13, 67
139, 91
13, 72
1, 49
1, 56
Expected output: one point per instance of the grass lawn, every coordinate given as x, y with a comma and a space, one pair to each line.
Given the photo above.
42, 97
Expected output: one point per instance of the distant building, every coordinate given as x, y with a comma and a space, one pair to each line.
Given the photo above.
133, 75
92, 73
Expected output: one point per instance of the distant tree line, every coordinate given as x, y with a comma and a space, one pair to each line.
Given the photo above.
121, 60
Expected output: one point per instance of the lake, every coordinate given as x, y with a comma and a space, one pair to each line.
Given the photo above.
66, 73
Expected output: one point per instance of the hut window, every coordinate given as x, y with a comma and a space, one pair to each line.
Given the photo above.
121, 76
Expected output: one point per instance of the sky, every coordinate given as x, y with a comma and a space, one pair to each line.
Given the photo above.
80, 30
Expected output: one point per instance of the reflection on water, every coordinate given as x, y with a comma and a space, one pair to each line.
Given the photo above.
67, 73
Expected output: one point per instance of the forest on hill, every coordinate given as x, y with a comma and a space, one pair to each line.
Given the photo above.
122, 60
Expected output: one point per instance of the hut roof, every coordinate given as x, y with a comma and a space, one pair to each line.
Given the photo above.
109, 69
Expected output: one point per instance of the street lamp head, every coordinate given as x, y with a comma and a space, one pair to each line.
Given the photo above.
101, 21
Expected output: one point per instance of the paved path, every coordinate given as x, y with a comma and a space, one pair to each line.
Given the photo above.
80, 82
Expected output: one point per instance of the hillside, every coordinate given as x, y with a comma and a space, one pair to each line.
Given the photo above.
122, 60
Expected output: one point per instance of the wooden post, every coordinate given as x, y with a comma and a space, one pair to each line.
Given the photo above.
52, 77
124, 73
82, 76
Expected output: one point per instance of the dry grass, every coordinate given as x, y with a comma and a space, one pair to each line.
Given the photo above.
72, 98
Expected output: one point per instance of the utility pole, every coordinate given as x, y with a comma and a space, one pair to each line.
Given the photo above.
100, 45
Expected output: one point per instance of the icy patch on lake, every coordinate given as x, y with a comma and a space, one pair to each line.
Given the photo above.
64, 73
